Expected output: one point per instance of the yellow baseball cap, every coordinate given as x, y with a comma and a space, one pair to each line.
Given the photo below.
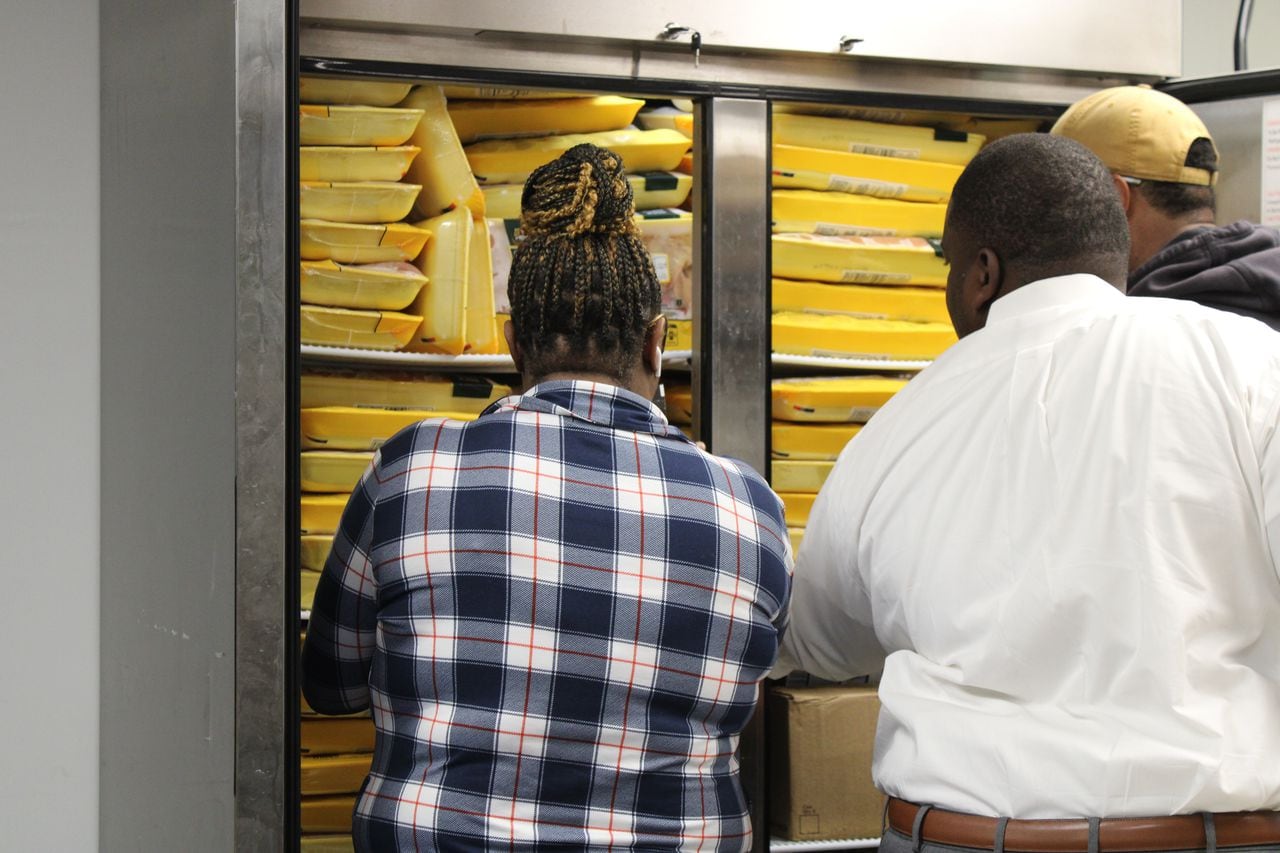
1139, 132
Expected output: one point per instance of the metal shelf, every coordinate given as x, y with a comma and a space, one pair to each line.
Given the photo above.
837, 844
674, 359
833, 363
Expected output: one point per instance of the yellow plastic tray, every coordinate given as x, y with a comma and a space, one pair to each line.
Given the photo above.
323, 125
858, 260
307, 588
511, 161
666, 117
386, 287
428, 392
795, 167
797, 505
481, 330
327, 814
333, 470
915, 304
832, 399
650, 190
328, 844
883, 140
342, 163
351, 243
342, 327
442, 167
796, 534
366, 93
810, 441
370, 202
321, 513
841, 214
799, 475
856, 337
334, 774
337, 735
477, 120
314, 548
345, 428
443, 302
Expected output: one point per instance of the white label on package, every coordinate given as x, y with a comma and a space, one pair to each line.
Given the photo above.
884, 150
662, 268
872, 277
832, 229
1271, 162
866, 186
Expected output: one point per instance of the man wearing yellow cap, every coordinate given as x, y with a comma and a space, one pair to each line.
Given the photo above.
1165, 166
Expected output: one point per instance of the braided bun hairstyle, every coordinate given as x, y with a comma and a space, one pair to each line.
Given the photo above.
582, 286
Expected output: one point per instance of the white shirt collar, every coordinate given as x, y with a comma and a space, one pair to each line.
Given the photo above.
1059, 291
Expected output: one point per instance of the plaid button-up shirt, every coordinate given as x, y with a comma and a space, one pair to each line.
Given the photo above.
560, 614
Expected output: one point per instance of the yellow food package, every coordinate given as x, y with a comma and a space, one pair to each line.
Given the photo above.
441, 169
511, 161
368, 203
832, 399
307, 582
668, 235
679, 399
314, 549
343, 327
324, 125
399, 390
385, 286
799, 475
859, 260
679, 335
328, 814
796, 506
814, 441
334, 774
443, 302
795, 167
481, 330
368, 93
650, 190
842, 214
364, 163
337, 735
341, 843
321, 513
883, 140
333, 470
346, 428
796, 534
501, 93
501, 321
857, 337
352, 243
478, 120
915, 304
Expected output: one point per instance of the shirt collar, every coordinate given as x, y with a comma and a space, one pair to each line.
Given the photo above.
1057, 292
595, 402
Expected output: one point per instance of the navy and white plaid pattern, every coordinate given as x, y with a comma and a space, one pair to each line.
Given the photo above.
560, 614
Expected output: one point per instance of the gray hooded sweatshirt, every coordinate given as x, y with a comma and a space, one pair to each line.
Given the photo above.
1234, 267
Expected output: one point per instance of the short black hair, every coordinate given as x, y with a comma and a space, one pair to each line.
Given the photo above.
582, 285
1173, 199
1040, 201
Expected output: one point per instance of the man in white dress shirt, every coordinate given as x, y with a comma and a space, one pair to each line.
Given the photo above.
1060, 544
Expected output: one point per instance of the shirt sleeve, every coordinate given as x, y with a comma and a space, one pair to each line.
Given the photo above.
1267, 431
831, 632
338, 651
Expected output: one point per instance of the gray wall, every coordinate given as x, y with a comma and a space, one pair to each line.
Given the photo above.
49, 426
1208, 36
168, 424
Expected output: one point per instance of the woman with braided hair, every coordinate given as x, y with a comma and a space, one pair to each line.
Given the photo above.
560, 612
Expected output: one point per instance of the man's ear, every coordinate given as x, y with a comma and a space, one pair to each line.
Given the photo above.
1125, 191
509, 332
984, 281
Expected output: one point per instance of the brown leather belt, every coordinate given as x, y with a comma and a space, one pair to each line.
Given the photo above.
1115, 835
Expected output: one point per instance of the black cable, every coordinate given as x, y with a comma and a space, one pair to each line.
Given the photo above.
1243, 19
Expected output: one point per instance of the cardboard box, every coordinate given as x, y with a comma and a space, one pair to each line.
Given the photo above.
820, 745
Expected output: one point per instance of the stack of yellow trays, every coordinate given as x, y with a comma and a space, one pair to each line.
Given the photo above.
813, 420
337, 753
858, 210
357, 281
